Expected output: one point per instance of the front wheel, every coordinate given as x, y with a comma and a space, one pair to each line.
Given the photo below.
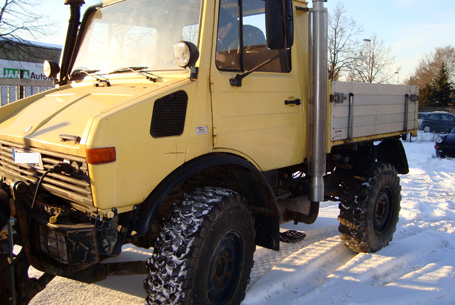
426, 128
204, 253
369, 211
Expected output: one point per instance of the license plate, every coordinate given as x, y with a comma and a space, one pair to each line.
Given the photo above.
33, 159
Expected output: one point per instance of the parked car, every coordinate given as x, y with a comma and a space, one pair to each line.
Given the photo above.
421, 116
445, 145
438, 122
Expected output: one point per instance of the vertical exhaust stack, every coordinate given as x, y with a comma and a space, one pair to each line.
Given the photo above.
71, 35
318, 101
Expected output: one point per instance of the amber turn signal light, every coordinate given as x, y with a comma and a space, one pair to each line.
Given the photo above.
100, 155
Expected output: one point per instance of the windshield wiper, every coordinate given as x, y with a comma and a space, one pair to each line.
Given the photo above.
140, 70
99, 77
82, 71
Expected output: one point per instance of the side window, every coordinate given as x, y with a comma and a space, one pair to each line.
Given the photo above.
433, 117
447, 118
253, 51
227, 55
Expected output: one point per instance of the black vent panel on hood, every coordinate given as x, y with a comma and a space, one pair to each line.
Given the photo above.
169, 114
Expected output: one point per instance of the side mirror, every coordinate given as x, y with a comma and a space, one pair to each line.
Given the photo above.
279, 24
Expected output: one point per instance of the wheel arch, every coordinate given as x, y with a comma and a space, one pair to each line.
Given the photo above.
392, 151
224, 170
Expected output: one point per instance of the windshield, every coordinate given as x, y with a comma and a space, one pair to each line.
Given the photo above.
137, 33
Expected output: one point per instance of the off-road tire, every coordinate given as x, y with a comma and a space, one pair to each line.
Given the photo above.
369, 210
204, 253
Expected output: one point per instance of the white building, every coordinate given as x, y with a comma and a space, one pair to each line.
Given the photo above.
21, 68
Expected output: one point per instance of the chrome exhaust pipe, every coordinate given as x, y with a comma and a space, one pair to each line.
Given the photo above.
318, 100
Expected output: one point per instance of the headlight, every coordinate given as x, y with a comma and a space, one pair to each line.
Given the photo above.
185, 54
50, 69
439, 140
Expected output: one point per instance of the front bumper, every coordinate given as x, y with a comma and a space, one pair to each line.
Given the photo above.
444, 150
60, 248
73, 247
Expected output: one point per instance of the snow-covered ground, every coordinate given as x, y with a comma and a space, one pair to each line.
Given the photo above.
418, 267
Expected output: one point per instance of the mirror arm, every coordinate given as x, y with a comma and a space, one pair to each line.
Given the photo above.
237, 80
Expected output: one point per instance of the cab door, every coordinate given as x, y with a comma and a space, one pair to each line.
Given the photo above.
261, 120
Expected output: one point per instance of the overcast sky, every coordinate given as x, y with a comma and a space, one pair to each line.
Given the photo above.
411, 28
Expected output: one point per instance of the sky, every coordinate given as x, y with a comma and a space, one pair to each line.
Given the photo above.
412, 28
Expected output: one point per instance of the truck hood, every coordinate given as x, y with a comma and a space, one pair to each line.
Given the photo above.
60, 120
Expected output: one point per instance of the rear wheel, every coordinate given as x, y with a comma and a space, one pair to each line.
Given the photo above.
426, 128
369, 211
204, 253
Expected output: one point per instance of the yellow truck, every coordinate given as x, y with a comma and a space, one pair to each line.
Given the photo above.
195, 127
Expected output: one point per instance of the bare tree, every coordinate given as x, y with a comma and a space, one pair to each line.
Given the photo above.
19, 23
190, 33
373, 63
343, 39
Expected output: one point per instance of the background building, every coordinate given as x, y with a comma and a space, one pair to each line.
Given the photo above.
21, 68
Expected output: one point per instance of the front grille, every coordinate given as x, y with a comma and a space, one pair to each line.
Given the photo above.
74, 187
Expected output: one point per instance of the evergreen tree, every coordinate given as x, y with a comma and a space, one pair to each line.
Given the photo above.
441, 90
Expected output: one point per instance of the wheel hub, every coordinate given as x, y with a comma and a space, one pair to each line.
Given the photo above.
222, 269
225, 268
383, 210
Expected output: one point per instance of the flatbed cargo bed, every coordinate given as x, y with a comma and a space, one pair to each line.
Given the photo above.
360, 110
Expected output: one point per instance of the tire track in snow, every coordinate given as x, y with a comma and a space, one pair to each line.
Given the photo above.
396, 260
313, 272
265, 263
301, 271
398, 272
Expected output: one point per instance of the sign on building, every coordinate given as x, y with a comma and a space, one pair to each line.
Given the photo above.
22, 70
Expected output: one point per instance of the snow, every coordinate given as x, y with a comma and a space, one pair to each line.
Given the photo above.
418, 267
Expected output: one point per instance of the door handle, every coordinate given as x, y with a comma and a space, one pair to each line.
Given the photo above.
292, 102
